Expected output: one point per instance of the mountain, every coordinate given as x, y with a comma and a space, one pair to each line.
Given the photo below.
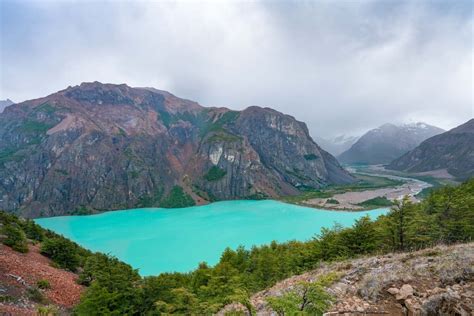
452, 151
336, 145
5, 103
103, 146
387, 142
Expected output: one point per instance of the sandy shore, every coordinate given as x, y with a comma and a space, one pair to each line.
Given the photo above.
349, 200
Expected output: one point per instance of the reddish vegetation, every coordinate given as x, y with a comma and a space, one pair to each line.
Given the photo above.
32, 267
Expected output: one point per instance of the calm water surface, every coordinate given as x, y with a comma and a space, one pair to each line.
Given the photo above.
156, 240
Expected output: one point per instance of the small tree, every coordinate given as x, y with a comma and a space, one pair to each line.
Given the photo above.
15, 238
177, 198
307, 297
287, 304
362, 238
33, 231
62, 252
400, 220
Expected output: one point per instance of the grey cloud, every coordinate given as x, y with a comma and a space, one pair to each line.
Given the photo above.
342, 67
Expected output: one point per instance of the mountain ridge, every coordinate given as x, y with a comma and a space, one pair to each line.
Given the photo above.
106, 146
452, 151
389, 141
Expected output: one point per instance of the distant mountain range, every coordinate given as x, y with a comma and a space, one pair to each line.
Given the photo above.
387, 142
103, 146
336, 145
5, 103
452, 151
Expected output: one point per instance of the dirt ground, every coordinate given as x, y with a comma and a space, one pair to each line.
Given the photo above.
21, 271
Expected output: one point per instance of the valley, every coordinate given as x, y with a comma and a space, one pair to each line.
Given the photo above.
375, 187
236, 158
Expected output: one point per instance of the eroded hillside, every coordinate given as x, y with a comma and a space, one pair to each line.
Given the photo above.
434, 281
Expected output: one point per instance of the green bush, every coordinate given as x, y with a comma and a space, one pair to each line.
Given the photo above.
332, 201
305, 298
214, 174
62, 251
310, 157
113, 287
36, 295
379, 201
43, 284
15, 238
177, 198
49, 310
33, 231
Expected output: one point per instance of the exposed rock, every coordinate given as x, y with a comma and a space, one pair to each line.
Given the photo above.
110, 147
369, 285
234, 309
393, 291
405, 292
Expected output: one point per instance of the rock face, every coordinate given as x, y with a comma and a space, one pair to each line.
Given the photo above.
388, 142
103, 147
452, 151
5, 103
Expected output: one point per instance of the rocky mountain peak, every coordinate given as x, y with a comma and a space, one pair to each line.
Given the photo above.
387, 142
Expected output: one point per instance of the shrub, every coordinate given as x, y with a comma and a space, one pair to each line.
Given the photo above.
214, 174
62, 251
49, 310
33, 231
310, 157
305, 298
177, 198
113, 287
43, 284
15, 238
36, 295
332, 201
378, 201
287, 304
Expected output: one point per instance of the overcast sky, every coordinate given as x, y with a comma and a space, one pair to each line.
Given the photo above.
343, 67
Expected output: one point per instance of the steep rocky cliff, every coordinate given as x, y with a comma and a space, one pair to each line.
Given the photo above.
102, 146
452, 151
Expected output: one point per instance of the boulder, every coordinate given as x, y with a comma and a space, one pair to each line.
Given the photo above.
405, 292
393, 290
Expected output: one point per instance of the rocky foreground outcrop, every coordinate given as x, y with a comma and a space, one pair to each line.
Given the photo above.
102, 147
435, 281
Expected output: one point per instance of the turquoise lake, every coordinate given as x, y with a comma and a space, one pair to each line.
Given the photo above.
156, 240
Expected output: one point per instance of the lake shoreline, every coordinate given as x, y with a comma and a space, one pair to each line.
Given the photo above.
165, 240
